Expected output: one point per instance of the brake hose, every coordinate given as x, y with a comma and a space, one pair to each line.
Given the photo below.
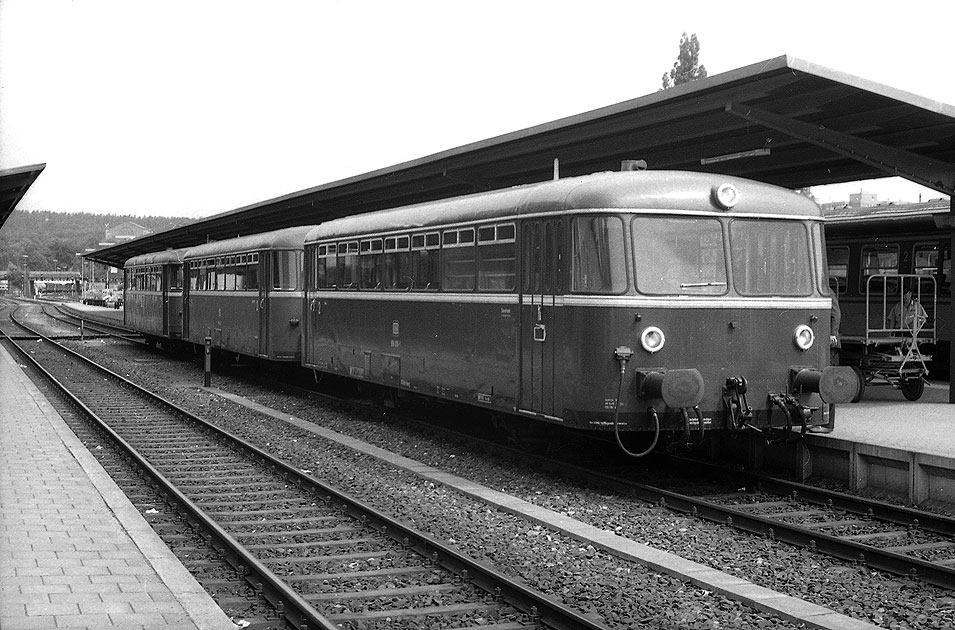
616, 419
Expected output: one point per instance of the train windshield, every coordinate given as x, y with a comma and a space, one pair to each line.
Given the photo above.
679, 256
770, 257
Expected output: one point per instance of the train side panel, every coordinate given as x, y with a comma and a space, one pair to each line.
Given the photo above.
231, 319
144, 311
463, 350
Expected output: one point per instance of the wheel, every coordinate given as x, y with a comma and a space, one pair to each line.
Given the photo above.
912, 388
861, 378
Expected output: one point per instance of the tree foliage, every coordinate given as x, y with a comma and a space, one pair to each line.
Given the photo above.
51, 239
687, 66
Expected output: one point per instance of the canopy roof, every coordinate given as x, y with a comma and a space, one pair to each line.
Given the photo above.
14, 183
783, 121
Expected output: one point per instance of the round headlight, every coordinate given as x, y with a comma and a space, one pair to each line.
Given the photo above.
652, 339
726, 196
803, 337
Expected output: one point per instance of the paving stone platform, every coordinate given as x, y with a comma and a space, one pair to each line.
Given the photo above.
74, 552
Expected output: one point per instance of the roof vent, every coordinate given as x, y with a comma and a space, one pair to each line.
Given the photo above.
633, 165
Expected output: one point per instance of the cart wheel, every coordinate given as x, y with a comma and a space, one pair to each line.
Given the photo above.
912, 388
861, 376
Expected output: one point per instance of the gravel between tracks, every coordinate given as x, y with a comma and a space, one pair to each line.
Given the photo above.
622, 594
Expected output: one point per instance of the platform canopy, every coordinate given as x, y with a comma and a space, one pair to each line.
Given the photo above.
784, 121
14, 183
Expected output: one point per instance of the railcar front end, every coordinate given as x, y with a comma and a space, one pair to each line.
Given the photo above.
726, 326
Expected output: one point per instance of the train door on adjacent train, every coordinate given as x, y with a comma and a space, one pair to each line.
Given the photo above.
541, 247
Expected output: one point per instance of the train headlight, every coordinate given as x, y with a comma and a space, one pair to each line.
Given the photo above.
652, 339
726, 196
803, 337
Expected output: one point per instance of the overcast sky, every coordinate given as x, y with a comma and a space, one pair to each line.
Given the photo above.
195, 108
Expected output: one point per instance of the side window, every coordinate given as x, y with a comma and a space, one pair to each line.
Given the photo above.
395, 270
174, 277
287, 270
370, 263
876, 260
348, 265
839, 266
598, 257
497, 257
325, 274
230, 273
458, 260
425, 274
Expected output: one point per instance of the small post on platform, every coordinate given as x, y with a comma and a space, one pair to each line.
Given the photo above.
83, 330
207, 377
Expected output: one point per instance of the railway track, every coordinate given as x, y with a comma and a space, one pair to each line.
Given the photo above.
56, 312
880, 535
321, 558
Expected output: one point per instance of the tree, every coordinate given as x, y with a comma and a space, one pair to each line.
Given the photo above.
687, 66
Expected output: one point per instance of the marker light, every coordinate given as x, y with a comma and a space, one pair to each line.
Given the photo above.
803, 337
726, 196
652, 339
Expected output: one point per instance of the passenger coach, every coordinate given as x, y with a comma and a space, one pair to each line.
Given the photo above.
245, 294
617, 301
153, 295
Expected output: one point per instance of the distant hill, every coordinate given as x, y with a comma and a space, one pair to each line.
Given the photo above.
52, 239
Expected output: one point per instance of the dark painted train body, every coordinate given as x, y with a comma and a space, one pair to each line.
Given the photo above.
647, 301
154, 294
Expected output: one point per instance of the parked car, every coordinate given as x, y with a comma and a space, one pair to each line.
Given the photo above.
113, 300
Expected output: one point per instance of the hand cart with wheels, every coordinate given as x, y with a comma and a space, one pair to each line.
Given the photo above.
898, 327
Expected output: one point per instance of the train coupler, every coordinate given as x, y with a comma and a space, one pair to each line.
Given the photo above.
739, 414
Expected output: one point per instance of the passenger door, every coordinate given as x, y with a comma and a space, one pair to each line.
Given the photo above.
262, 305
539, 336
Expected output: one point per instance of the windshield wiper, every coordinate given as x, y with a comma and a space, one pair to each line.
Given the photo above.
690, 285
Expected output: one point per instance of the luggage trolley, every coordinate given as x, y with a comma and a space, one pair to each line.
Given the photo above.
897, 327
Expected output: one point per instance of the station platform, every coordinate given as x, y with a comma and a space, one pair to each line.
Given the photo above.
96, 313
74, 552
887, 444
884, 417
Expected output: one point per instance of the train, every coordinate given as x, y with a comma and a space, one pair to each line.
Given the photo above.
637, 305
876, 253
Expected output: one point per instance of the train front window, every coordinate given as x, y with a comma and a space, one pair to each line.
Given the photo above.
599, 259
770, 257
679, 256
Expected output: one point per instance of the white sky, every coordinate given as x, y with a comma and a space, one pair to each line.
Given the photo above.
197, 107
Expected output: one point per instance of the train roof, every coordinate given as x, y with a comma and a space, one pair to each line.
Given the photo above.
286, 238
930, 216
157, 258
639, 190
784, 121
